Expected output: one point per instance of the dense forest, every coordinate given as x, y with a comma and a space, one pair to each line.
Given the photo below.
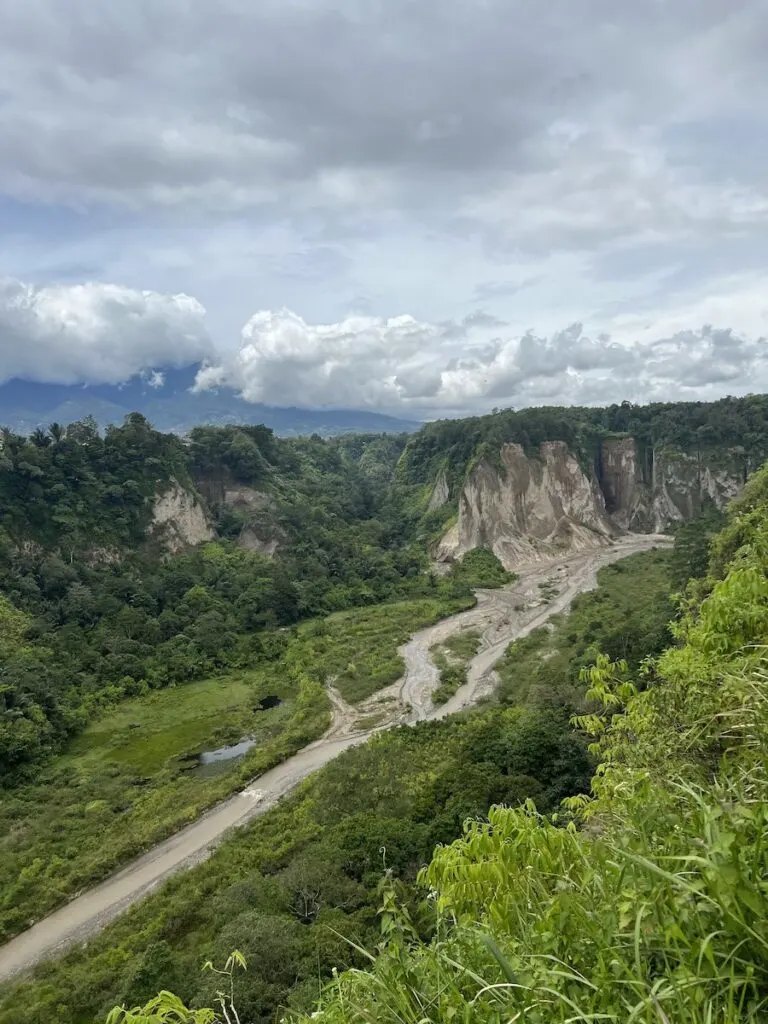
91, 612
730, 423
643, 901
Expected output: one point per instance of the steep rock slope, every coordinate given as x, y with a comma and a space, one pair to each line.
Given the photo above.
650, 489
440, 492
529, 507
179, 519
526, 509
252, 508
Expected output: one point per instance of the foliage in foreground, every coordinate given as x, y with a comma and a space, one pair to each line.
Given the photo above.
309, 871
656, 910
298, 887
650, 904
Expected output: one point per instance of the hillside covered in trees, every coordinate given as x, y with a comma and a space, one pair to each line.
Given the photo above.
740, 424
644, 901
121, 654
94, 611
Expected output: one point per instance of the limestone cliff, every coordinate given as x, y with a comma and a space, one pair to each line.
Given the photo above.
526, 509
179, 520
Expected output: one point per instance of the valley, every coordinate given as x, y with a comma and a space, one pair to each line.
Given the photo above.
251, 683
501, 616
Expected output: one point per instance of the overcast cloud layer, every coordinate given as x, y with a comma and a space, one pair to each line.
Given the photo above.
445, 206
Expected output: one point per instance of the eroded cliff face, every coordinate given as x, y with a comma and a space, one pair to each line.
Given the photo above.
179, 520
622, 479
258, 532
528, 508
440, 492
650, 491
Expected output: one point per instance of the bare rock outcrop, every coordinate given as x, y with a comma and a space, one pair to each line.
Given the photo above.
440, 492
525, 509
179, 520
661, 486
259, 533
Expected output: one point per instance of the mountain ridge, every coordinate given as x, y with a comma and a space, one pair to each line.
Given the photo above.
164, 395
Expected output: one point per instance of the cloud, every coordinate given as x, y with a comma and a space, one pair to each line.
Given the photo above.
548, 163
534, 124
96, 333
402, 364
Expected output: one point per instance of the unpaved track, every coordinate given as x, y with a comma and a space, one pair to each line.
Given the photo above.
499, 623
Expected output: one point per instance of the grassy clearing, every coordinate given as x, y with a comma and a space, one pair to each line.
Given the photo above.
147, 733
122, 786
451, 658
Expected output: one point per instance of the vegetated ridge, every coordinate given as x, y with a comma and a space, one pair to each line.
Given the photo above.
135, 561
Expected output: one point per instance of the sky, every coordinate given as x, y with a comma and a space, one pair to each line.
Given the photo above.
427, 207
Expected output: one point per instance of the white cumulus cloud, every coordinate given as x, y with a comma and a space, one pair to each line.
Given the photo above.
401, 363
95, 333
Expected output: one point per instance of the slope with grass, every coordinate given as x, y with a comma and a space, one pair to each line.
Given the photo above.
650, 904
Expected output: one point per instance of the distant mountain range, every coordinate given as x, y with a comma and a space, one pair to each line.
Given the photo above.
165, 398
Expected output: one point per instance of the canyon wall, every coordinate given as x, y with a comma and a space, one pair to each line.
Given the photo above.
647, 490
526, 508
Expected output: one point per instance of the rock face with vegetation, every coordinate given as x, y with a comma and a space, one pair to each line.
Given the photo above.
541, 480
652, 488
525, 509
179, 520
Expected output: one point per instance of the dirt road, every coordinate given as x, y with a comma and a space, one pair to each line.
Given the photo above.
500, 615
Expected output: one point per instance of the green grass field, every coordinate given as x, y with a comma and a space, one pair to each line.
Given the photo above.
148, 733
122, 784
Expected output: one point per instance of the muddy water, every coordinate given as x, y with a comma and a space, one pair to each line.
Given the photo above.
214, 762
